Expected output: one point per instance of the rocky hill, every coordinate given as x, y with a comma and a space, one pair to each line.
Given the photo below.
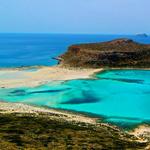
116, 53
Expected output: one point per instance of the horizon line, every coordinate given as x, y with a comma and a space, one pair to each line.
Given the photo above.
119, 34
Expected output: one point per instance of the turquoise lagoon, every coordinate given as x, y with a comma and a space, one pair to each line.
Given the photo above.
119, 96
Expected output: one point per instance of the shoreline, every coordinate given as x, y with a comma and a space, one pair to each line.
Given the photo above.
35, 76
141, 132
38, 124
12, 108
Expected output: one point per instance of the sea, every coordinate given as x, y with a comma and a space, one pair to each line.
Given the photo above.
120, 97
39, 49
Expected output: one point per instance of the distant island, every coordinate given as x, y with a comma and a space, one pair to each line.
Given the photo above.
142, 35
116, 53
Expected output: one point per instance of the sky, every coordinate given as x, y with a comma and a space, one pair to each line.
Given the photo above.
75, 16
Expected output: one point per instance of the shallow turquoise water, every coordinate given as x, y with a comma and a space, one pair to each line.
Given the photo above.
120, 96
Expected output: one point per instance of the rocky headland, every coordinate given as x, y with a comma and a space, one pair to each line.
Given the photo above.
117, 53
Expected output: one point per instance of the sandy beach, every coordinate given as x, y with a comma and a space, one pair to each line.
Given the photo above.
8, 108
19, 77
141, 132
58, 123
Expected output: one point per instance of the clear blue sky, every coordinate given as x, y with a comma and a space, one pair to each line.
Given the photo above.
75, 16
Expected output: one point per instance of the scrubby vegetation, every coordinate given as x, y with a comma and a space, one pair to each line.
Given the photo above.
24, 131
116, 53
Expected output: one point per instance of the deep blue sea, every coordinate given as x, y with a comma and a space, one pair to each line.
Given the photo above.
38, 49
121, 97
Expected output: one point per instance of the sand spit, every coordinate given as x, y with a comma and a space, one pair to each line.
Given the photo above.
6, 107
19, 77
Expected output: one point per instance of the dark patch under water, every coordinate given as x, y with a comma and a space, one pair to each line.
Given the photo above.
124, 123
23, 92
81, 101
49, 91
126, 80
18, 92
87, 98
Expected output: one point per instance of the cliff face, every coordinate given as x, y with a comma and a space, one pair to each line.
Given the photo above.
116, 53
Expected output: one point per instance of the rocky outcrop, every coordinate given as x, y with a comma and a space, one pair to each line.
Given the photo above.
116, 53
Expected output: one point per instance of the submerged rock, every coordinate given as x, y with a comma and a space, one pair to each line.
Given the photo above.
116, 53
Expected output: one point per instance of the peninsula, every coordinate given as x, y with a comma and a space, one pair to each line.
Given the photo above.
117, 53
81, 62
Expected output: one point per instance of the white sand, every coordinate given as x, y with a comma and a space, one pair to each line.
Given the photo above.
19, 108
10, 78
56, 114
19, 77
142, 130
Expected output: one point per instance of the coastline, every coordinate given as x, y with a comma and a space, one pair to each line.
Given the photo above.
46, 128
19, 77
8, 108
139, 134
37, 75
34, 76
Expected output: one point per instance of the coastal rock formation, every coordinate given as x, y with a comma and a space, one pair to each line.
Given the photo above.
116, 53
